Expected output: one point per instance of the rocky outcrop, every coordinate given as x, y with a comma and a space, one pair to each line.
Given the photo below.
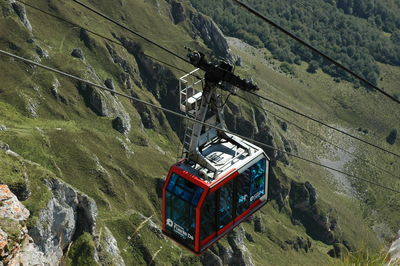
212, 36
391, 139
67, 215
108, 250
16, 246
178, 12
101, 103
394, 252
19, 9
87, 40
318, 225
241, 255
10, 207
300, 243
210, 258
77, 52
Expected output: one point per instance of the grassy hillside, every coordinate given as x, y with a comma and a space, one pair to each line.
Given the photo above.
122, 172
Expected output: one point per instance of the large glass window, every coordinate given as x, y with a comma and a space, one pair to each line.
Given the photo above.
243, 189
182, 198
225, 207
250, 186
208, 217
257, 177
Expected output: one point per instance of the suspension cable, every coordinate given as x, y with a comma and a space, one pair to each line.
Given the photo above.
319, 137
102, 36
174, 54
102, 87
324, 124
132, 31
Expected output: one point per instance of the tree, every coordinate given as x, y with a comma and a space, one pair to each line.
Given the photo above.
312, 66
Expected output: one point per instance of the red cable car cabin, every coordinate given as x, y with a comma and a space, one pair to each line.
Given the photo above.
199, 208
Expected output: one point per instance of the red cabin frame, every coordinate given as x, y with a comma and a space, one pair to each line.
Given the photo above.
200, 245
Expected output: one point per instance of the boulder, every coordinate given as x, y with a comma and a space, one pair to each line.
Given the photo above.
77, 52
89, 42
338, 251
178, 12
110, 85
391, 139
41, 52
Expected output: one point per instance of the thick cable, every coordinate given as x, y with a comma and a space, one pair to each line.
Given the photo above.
184, 71
131, 31
101, 36
319, 137
333, 61
324, 124
102, 87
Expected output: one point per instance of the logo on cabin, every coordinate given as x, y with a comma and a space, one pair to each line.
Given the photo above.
179, 229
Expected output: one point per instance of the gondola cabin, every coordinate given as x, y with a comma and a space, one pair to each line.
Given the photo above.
200, 207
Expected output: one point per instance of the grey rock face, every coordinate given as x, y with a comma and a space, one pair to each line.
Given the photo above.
103, 105
211, 34
110, 247
117, 59
77, 53
89, 42
110, 85
41, 52
31, 107
241, 255
300, 243
21, 12
178, 12
68, 214
319, 226
209, 258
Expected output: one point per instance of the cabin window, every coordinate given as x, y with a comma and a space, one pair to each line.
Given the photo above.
257, 176
208, 217
225, 208
242, 196
182, 198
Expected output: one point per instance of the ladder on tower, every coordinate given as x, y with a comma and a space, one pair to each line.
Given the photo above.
187, 138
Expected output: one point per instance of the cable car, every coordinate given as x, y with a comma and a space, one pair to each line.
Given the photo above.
222, 179
198, 210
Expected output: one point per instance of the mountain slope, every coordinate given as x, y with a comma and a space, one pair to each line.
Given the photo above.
117, 152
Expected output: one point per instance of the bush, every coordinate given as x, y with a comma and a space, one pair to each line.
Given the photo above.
312, 67
288, 69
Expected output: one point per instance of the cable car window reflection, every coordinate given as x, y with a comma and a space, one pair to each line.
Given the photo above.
257, 176
182, 198
208, 217
225, 205
243, 189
